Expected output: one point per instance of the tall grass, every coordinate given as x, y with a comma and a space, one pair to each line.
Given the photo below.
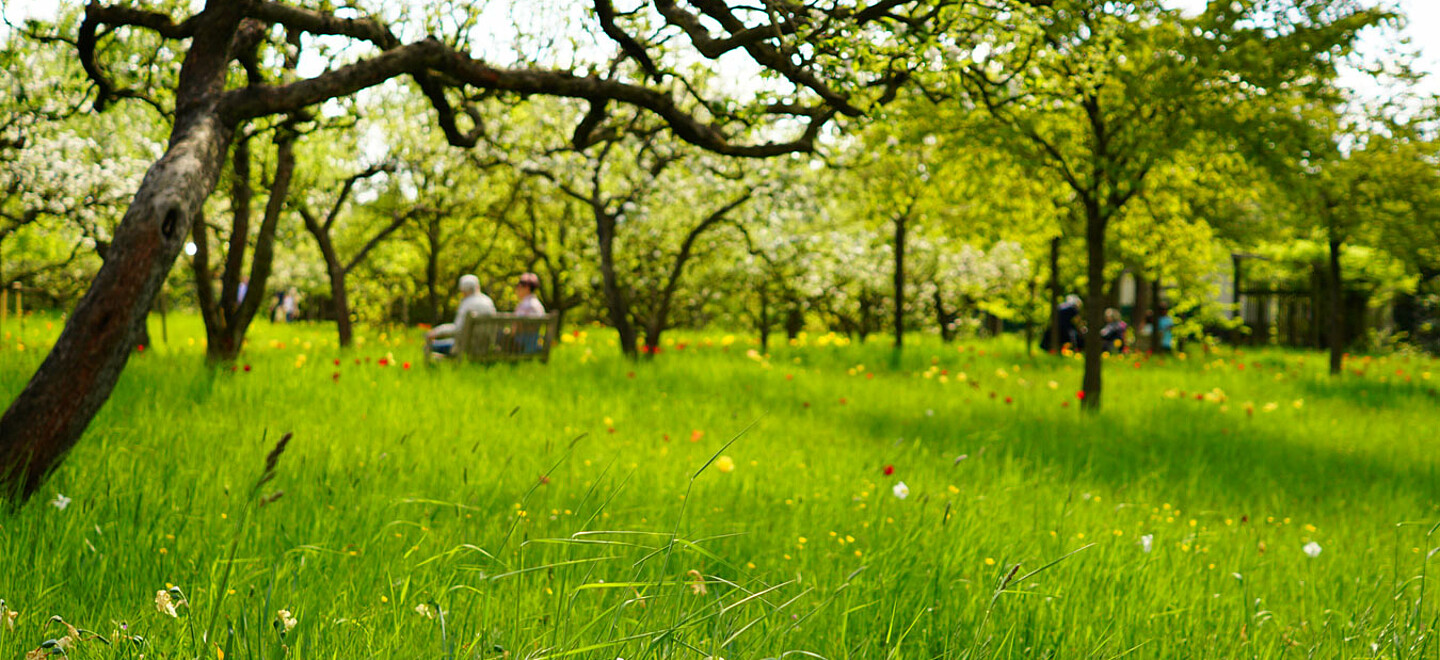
717, 502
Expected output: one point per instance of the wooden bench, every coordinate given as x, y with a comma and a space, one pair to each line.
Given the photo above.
505, 338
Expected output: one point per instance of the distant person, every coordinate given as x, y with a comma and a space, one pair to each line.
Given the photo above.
1066, 317
277, 310
525, 291
1164, 330
440, 339
1113, 334
291, 305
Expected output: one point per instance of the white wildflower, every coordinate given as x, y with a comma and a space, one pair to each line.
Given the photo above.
901, 490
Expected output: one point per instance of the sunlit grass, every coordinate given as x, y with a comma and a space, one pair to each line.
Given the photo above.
591, 507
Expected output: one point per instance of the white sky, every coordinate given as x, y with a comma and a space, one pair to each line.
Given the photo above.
1422, 32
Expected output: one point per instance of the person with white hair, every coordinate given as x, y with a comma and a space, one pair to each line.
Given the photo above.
440, 339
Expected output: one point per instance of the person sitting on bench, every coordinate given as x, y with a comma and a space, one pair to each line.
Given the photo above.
525, 292
440, 339
528, 341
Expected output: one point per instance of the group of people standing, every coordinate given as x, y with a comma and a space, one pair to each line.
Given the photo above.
1072, 333
441, 338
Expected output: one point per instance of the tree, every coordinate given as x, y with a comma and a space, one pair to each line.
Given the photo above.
647, 186
1102, 93
76, 378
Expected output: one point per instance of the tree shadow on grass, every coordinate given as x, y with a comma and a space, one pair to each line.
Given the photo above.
1177, 452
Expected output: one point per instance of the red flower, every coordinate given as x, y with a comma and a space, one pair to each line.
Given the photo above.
665, 437
805, 404
681, 346
789, 376
406, 365
1080, 395
140, 348
335, 377
384, 362
247, 368
870, 376
630, 375
337, 361
1137, 364
1064, 404
1008, 400
889, 470
842, 400
544, 479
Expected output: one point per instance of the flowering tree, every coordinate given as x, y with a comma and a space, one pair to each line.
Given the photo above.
1102, 93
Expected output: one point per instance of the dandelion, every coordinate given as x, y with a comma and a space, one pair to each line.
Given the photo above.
1312, 549
1147, 541
60, 502
725, 464
901, 490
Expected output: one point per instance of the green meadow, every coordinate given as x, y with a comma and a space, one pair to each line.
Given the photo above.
823, 500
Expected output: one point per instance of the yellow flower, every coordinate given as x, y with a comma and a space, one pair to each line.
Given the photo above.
989, 561
725, 464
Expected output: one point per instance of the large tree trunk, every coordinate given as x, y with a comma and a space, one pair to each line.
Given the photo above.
900, 230
432, 272
944, 317
1337, 310
1095, 306
615, 301
1054, 329
794, 321
1142, 306
228, 318
763, 319
76, 378
336, 271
